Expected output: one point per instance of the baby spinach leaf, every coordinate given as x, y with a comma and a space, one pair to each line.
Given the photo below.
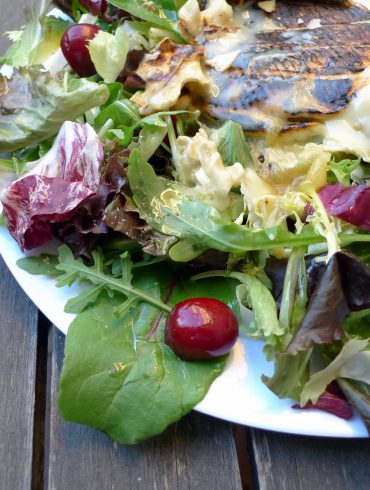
120, 377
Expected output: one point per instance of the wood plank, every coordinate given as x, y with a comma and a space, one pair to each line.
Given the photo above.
289, 462
18, 347
197, 453
12, 18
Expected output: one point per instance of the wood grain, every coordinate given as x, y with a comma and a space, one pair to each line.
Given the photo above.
288, 462
18, 343
196, 453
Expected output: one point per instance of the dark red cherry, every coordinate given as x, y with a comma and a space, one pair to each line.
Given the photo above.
74, 46
201, 328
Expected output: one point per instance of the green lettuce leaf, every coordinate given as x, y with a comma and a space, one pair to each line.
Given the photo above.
37, 41
231, 144
341, 171
109, 52
161, 14
34, 104
257, 309
352, 362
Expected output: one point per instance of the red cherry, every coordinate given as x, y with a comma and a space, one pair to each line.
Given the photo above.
74, 46
201, 328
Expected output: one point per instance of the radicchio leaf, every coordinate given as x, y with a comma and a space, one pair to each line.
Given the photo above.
54, 186
85, 228
350, 204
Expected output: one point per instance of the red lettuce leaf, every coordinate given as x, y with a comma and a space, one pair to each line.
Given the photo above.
87, 226
54, 186
332, 401
351, 204
344, 286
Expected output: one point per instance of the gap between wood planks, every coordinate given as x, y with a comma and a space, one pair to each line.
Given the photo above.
41, 402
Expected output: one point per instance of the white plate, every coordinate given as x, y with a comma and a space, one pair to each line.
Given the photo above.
238, 395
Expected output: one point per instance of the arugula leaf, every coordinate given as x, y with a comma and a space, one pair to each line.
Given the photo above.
177, 210
35, 105
231, 144
86, 298
76, 270
161, 14
44, 264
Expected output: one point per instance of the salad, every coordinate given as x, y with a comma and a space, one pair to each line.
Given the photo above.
188, 216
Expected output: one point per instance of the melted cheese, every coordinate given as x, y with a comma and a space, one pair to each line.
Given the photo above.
350, 130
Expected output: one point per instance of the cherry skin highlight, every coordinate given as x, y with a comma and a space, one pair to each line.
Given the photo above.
74, 46
201, 328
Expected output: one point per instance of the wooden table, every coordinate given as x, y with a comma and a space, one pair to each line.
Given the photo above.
39, 450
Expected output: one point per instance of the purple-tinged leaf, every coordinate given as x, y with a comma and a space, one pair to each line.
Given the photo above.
325, 312
54, 186
351, 204
344, 286
332, 401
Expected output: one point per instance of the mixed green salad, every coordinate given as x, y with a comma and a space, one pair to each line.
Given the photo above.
153, 203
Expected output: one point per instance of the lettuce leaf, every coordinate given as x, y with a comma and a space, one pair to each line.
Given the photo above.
231, 144
39, 39
108, 52
161, 14
34, 104
352, 362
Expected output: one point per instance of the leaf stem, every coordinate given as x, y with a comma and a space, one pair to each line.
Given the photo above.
117, 285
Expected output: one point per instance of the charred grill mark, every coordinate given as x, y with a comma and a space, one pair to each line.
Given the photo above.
169, 59
291, 74
332, 60
290, 14
335, 94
